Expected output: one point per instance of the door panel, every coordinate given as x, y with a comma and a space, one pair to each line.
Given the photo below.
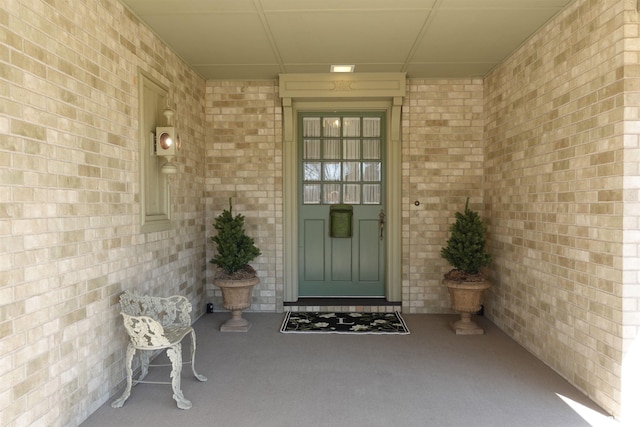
369, 254
340, 263
313, 238
341, 163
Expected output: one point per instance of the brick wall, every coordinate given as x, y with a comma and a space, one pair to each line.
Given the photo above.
630, 75
554, 195
442, 165
69, 202
244, 162
442, 132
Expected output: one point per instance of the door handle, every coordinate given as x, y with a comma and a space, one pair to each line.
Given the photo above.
381, 217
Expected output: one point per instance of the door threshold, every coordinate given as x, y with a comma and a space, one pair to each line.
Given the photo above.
322, 301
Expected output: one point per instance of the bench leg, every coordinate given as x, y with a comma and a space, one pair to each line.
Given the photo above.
127, 391
145, 355
175, 355
193, 358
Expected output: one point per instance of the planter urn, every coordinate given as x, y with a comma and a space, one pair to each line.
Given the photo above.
466, 299
236, 296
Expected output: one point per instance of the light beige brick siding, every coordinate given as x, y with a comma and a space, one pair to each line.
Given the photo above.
556, 117
244, 162
442, 165
70, 238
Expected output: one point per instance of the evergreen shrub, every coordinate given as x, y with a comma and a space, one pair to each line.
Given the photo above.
465, 249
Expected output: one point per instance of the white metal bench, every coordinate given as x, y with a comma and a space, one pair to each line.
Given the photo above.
155, 323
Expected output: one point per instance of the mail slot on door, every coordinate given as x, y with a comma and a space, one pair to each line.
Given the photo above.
341, 218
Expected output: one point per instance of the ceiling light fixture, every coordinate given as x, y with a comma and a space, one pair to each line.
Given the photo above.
343, 68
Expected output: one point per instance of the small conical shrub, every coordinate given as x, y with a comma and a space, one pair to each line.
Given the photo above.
465, 249
235, 248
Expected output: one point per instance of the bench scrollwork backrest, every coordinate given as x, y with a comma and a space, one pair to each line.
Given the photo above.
145, 317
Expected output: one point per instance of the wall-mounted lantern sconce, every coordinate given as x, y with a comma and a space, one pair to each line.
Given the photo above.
168, 143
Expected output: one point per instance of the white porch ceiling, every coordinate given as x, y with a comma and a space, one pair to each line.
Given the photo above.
259, 39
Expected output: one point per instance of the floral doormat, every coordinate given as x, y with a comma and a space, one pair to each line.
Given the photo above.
344, 323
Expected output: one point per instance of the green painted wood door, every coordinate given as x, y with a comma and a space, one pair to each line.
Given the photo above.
341, 165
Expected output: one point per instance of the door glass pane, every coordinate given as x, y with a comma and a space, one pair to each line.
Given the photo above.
311, 149
371, 171
351, 149
331, 193
371, 149
332, 149
331, 126
371, 127
312, 171
311, 126
311, 194
351, 171
342, 159
371, 194
351, 126
331, 171
352, 193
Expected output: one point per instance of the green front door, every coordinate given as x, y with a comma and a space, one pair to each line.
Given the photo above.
341, 239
